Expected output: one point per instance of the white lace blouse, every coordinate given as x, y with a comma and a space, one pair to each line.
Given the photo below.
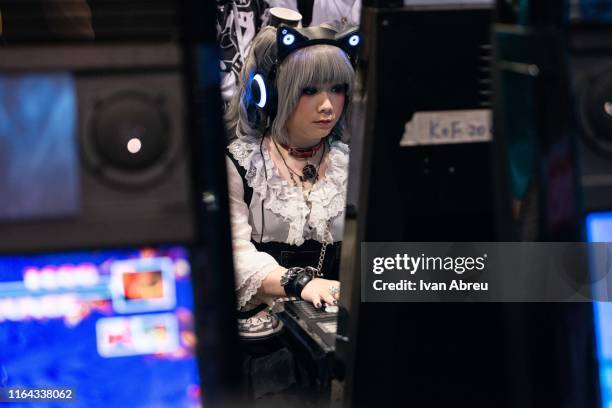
289, 216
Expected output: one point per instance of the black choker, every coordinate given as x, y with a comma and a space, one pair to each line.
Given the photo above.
303, 152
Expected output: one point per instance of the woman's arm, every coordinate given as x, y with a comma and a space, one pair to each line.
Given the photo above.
316, 291
271, 284
250, 265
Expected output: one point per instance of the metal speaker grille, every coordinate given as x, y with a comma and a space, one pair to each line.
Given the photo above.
485, 85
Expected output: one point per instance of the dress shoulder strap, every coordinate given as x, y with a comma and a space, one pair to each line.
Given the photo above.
248, 190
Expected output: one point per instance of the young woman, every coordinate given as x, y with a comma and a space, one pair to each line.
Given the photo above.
288, 170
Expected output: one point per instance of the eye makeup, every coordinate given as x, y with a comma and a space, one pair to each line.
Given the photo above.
336, 88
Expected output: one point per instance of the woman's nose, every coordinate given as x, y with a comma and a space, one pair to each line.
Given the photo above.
325, 105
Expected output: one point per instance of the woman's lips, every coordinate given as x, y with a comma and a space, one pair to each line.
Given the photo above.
324, 123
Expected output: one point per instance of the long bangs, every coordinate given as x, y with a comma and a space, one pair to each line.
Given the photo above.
310, 66
315, 65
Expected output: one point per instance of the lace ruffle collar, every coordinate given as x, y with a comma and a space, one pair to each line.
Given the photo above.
327, 199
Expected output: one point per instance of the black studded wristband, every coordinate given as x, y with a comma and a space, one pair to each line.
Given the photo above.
300, 282
289, 276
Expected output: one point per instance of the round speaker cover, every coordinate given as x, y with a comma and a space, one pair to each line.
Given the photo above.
129, 132
596, 110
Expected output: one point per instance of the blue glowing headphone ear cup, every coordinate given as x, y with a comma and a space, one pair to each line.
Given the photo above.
262, 94
259, 91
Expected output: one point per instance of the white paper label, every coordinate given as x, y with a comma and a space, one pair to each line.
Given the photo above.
448, 127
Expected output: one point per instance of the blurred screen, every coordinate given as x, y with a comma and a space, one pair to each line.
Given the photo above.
594, 10
117, 326
39, 168
599, 229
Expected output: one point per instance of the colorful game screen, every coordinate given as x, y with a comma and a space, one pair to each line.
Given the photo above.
115, 327
599, 229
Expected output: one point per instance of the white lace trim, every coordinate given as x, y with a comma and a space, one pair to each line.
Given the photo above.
248, 287
328, 196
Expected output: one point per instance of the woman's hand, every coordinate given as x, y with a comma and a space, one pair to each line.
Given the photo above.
321, 290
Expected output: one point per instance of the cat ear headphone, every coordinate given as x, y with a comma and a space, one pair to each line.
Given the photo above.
288, 40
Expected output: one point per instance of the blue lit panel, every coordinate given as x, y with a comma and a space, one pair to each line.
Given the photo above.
599, 229
596, 10
117, 326
38, 146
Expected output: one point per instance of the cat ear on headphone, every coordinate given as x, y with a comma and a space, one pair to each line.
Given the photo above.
350, 41
287, 40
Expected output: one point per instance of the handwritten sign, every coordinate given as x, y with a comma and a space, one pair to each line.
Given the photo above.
448, 127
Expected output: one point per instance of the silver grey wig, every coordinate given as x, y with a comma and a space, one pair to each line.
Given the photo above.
309, 66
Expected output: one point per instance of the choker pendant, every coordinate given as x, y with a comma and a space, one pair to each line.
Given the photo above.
309, 173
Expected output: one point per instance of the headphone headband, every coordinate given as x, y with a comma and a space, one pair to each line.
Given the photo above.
262, 91
290, 39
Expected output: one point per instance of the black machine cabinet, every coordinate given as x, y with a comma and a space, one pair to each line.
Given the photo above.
425, 177
118, 204
424, 59
536, 128
428, 67
126, 68
535, 121
311, 336
146, 71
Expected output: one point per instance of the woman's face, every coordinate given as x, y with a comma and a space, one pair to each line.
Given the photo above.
318, 110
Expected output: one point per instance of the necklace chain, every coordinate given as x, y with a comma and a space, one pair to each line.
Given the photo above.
292, 172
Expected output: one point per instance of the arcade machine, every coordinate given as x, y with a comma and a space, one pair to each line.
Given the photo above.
424, 185
591, 63
113, 223
539, 198
425, 178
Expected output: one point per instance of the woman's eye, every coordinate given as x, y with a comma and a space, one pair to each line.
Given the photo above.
310, 90
339, 88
